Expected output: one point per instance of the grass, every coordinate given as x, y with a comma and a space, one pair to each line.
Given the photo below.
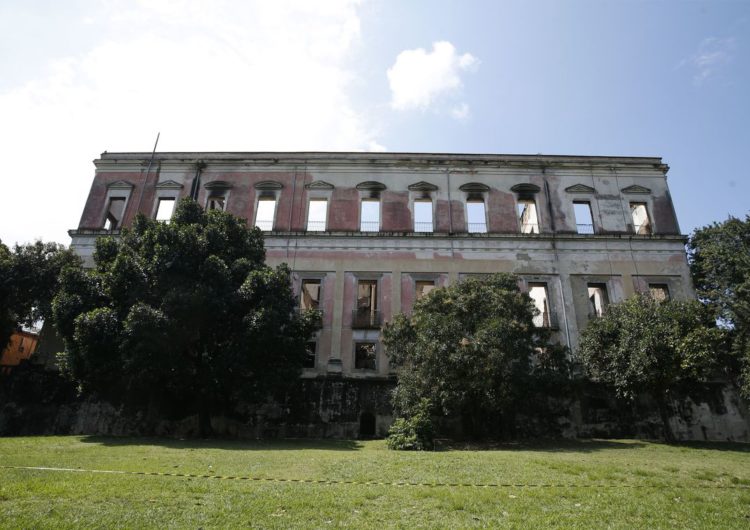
586, 484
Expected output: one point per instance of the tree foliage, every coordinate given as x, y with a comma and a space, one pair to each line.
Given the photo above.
720, 265
29, 277
467, 349
182, 316
642, 346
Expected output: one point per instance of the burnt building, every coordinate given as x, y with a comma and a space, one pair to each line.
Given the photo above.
366, 234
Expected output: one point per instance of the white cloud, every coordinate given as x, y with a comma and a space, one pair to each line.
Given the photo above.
241, 76
418, 79
713, 53
461, 111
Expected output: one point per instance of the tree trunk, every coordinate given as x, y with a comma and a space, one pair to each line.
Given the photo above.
664, 413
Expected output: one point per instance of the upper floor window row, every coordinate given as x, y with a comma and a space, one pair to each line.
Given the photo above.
370, 211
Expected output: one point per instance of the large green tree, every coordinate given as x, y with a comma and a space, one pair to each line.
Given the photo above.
467, 349
182, 316
644, 346
29, 276
720, 264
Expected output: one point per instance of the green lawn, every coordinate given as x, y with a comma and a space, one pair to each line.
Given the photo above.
587, 484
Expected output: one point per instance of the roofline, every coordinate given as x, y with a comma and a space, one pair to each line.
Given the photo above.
232, 155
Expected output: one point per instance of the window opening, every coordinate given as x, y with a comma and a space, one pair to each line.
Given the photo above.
216, 202
367, 425
310, 295
370, 216
310, 351
317, 212
423, 288
364, 356
367, 315
476, 217
527, 216
641, 222
584, 220
598, 300
659, 291
423, 216
115, 212
165, 209
265, 215
539, 295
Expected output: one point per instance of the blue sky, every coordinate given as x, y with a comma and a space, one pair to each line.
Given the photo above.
644, 78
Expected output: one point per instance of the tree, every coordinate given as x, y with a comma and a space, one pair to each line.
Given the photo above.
182, 317
467, 349
642, 346
29, 276
720, 264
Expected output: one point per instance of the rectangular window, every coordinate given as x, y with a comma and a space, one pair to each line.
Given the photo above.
527, 216
423, 216
539, 295
364, 355
216, 202
115, 212
310, 351
165, 209
598, 299
317, 213
366, 315
476, 218
423, 288
265, 215
641, 223
370, 216
659, 291
584, 220
310, 294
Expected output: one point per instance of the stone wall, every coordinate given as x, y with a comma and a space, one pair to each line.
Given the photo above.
348, 408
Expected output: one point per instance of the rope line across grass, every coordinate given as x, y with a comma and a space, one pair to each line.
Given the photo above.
373, 482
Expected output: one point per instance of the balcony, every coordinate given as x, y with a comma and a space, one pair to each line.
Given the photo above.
584, 228
366, 319
423, 227
369, 226
266, 225
477, 228
316, 226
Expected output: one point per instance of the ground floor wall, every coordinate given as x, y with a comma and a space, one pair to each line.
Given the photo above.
336, 407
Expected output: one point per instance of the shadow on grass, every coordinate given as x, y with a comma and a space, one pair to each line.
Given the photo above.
545, 446
226, 444
585, 446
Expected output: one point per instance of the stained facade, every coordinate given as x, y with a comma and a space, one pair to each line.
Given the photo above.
366, 234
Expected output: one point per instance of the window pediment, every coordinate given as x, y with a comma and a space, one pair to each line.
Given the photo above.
319, 185
370, 185
120, 185
169, 185
525, 188
635, 188
218, 185
268, 185
422, 186
580, 188
474, 187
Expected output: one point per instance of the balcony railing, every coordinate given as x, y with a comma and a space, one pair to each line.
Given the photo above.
264, 224
369, 226
546, 320
584, 228
316, 226
422, 227
365, 319
477, 228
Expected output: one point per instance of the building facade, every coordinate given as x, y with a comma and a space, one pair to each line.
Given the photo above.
366, 234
